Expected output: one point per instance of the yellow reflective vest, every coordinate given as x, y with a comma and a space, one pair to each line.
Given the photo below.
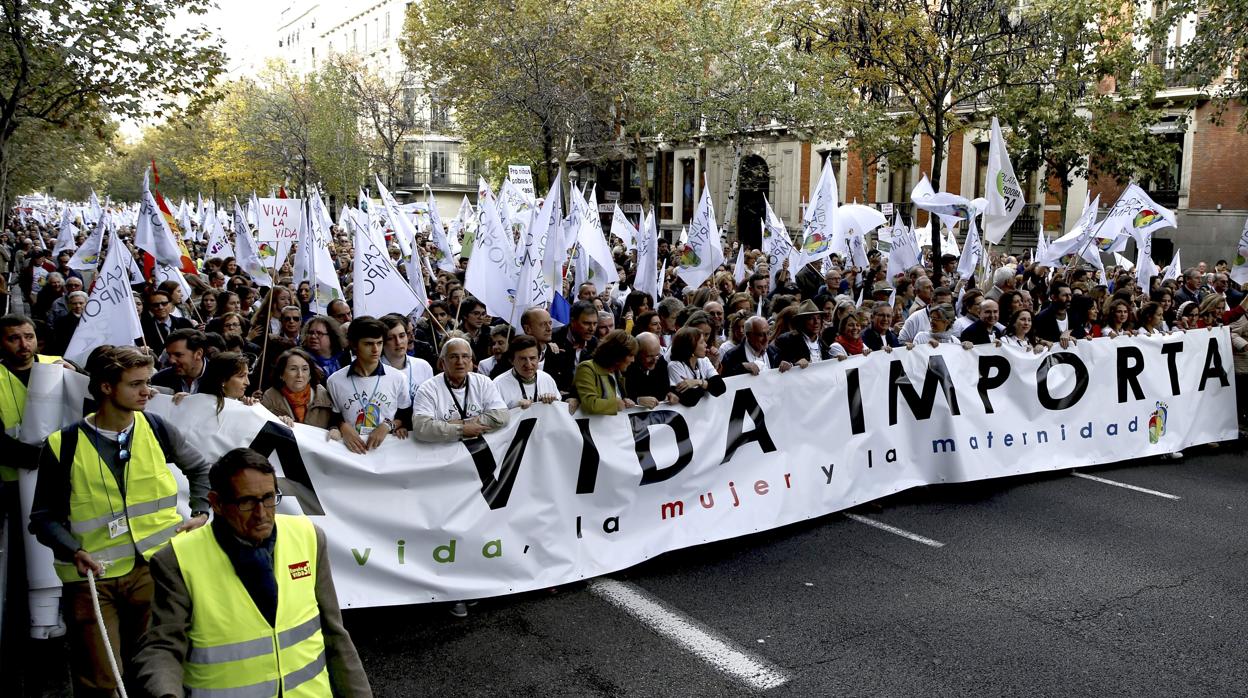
13, 408
234, 652
98, 514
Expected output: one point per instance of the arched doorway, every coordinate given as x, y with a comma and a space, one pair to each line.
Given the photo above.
752, 186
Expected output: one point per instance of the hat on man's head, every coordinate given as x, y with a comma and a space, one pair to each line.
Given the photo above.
807, 307
881, 287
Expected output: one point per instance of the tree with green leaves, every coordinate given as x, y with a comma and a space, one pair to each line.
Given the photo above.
1092, 101
515, 73
940, 59
77, 65
1213, 59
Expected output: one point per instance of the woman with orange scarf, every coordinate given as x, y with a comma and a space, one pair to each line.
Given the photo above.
298, 392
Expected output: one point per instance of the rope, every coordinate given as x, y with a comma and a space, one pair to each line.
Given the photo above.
99, 621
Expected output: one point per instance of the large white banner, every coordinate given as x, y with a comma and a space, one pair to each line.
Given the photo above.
555, 497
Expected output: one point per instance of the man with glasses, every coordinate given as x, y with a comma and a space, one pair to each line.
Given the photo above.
755, 354
291, 323
159, 322
105, 502
339, 310
224, 593
473, 318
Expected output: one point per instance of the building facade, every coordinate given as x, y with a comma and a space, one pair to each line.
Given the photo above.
311, 31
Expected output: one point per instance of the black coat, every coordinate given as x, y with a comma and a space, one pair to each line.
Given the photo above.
792, 347
641, 383
978, 332
1046, 325
562, 366
155, 337
734, 359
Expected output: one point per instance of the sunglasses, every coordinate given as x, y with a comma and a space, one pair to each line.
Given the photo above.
123, 441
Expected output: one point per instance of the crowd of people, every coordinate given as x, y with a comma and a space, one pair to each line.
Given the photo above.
453, 372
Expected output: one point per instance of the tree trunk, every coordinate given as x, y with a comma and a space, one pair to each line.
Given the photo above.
548, 156
1065, 196
643, 178
730, 209
938, 162
4, 183
865, 164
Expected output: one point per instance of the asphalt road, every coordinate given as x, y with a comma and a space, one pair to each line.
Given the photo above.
1046, 585
1049, 585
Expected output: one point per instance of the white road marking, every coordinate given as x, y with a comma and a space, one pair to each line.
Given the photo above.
897, 531
1124, 485
719, 652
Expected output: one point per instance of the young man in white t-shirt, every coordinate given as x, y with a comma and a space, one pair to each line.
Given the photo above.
394, 353
524, 383
460, 403
371, 400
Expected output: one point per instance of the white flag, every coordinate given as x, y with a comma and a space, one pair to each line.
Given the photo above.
702, 253
445, 259
248, 253
594, 244
378, 287
1079, 241
326, 288
532, 290
405, 231
972, 252
646, 279
904, 251
152, 233
1123, 262
1005, 196
218, 243
777, 245
1239, 270
110, 316
739, 272
460, 226
1145, 269
1175, 269
1134, 214
817, 223
623, 229
65, 238
492, 270
88, 256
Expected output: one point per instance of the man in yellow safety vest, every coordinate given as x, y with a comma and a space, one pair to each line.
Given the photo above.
246, 606
105, 502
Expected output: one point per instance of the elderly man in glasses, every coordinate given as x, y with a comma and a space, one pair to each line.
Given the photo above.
242, 610
105, 503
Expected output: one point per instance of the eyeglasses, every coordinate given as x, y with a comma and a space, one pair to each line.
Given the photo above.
269, 501
290, 319
317, 333
158, 304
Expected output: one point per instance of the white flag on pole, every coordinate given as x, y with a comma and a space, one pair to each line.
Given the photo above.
459, 226
1135, 214
445, 259
65, 237
646, 279
623, 229
88, 255
702, 253
492, 271
777, 245
110, 316
739, 272
594, 244
972, 252
218, 243
532, 289
152, 233
1175, 269
248, 252
1239, 270
378, 287
817, 223
904, 251
1005, 196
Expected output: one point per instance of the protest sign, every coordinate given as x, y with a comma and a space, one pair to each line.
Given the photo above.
554, 498
278, 220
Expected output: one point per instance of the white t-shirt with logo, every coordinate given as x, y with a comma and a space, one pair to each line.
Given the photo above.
433, 398
368, 401
512, 392
415, 371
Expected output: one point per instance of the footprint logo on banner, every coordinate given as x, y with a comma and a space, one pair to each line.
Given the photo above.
1157, 423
